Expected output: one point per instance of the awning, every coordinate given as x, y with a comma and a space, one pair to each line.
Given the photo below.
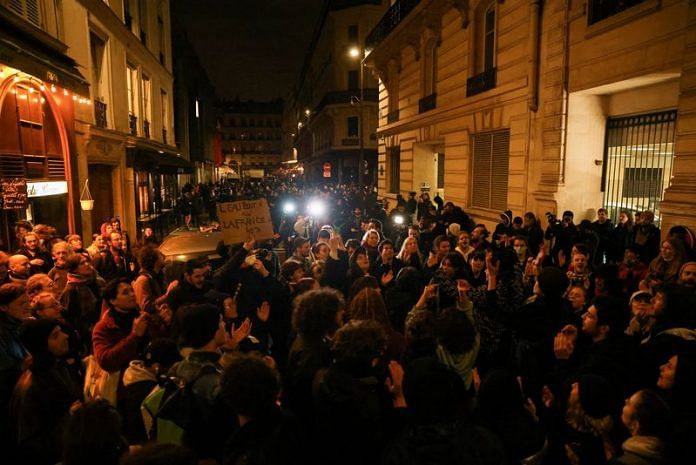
23, 51
153, 160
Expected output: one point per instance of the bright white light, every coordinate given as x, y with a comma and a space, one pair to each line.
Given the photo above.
289, 207
307, 111
316, 208
398, 219
354, 52
197, 113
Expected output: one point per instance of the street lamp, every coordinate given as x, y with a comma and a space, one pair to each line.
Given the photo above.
357, 52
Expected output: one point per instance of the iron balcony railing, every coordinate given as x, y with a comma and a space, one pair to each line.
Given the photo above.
133, 124
393, 116
602, 9
481, 82
346, 96
146, 128
427, 103
99, 114
394, 15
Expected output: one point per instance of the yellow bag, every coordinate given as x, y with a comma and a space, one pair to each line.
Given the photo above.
99, 383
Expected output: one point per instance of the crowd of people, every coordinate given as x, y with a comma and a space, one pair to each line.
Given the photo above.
411, 335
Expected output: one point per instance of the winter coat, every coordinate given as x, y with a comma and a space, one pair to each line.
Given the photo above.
446, 443
641, 450
138, 382
41, 405
275, 438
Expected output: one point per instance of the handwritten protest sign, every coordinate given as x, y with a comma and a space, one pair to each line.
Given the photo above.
239, 219
14, 194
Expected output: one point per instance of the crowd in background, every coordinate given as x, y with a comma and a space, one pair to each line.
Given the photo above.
359, 333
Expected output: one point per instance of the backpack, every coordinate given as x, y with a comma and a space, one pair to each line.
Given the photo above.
173, 409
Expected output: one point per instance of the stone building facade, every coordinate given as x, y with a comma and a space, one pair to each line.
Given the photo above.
251, 137
331, 114
539, 106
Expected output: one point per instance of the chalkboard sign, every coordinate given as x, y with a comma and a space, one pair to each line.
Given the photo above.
14, 194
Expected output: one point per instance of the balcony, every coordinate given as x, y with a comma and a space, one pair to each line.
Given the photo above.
481, 82
164, 136
146, 128
599, 10
427, 103
346, 97
99, 114
133, 124
394, 15
393, 116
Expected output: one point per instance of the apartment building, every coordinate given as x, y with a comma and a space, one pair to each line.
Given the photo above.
538, 105
251, 137
331, 113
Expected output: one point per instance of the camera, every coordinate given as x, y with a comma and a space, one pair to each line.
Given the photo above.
551, 218
263, 254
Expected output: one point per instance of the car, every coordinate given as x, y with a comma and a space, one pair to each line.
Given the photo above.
184, 244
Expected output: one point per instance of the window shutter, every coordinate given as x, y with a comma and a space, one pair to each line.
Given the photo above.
480, 193
490, 170
27, 9
499, 170
33, 12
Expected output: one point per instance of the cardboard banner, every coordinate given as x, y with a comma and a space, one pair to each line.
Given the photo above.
239, 219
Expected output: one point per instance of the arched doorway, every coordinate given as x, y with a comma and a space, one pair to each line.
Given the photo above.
34, 146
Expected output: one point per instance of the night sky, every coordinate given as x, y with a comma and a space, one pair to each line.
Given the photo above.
253, 49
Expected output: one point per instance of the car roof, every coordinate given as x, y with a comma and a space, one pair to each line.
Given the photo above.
186, 245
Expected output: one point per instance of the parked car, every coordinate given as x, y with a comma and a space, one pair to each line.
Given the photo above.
184, 244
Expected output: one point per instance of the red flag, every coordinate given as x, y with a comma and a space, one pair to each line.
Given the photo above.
218, 148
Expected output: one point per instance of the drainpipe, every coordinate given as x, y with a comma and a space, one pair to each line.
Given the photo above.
534, 32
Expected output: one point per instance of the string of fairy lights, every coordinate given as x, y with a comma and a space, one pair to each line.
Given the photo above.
77, 98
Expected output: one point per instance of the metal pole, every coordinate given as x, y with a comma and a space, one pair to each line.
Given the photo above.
361, 156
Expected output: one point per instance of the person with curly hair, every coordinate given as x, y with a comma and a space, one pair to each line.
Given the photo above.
316, 317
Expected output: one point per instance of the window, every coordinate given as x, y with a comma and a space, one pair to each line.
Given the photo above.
352, 122
161, 38
603, 9
127, 15
638, 157
353, 80
489, 38
394, 165
430, 69
491, 153
27, 9
353, 33
142, 22
440, 170
164, 100
96, 48
147, 98
132, 89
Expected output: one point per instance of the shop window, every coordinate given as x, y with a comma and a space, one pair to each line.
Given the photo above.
489, 174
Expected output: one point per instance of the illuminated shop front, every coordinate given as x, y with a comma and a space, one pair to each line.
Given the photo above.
157, 180
40, 89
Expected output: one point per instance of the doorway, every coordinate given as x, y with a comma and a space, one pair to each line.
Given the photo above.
101, 183
429, 169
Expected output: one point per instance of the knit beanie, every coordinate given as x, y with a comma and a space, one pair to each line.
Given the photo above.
596, 396
553, 282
